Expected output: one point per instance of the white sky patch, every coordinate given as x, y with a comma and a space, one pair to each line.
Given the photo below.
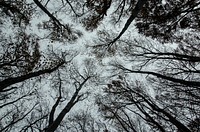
164, 2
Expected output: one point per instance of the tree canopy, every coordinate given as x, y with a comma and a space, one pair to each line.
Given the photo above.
99, 65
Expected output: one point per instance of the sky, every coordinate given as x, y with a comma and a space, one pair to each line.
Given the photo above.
85, 59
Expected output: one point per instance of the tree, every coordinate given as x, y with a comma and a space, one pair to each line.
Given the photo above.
161, 19
40, 117
125, 103
174, 75
18, 61
155, 18
54, 123
84, 122
21, 67
27, 69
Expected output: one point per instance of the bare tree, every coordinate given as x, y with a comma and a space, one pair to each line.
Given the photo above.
125, 102
54, 123
18, 62
174, 75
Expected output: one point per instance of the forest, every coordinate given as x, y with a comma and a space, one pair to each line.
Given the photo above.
99, 66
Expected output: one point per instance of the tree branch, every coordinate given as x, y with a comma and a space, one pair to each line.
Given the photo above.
52, 127
10, 81
51, 116
134, 14
175, 80
57, 22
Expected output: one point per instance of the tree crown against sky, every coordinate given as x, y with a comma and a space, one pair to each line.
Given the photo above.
47, 71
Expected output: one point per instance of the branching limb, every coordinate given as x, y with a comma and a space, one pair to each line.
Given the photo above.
13, 80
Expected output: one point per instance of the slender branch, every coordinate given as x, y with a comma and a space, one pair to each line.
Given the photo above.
19, 119
24, 129
11, 102
72, 8
174, 56
175, 80
172, 119
48, 13
51, 116
74, 99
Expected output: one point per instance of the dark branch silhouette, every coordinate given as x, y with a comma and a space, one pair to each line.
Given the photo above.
172, 119
10, 81
74, 99
134, 14
168, 55
51, 116
48, 13
172, 79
